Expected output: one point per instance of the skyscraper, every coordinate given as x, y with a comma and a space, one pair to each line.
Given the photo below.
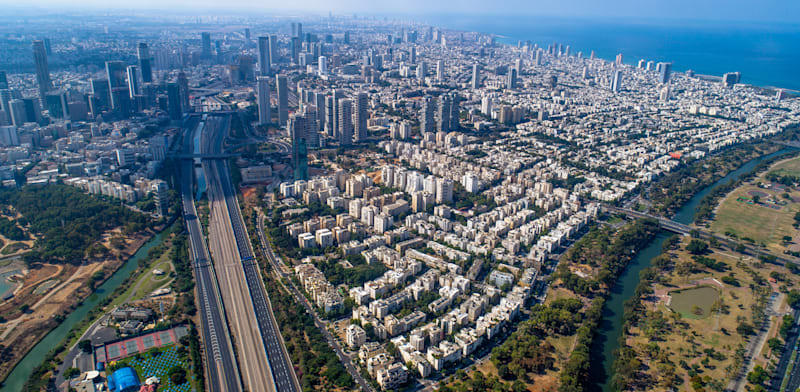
263, 56
476, 77
345, 127
101, 93
511, 83
440, 71
206, 45
319, 102
283, 99
263, 99
17, 111
298, 128
143, 53
273, 49
337, 96
443, 114
454, 112
616, 81
426, 118
360, 116
666, 70
3, 80
174, 101
323, 65
56, 104
42, 69
133, 82
330, 117
118, 87
183, 85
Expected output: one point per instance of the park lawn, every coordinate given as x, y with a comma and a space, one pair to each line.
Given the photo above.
144, 281
758, 221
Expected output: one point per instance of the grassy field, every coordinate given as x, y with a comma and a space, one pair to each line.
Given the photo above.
146, 283
702, 346
768, 221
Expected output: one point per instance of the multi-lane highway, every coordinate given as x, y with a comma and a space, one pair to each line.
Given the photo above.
221, 367
266, 366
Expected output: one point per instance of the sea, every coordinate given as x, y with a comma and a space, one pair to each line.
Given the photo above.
766, 54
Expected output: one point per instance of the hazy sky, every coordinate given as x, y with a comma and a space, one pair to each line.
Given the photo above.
733, 10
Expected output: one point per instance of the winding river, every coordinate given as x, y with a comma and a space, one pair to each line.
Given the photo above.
16, 379
607, 339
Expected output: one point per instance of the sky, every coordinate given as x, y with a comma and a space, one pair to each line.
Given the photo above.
782, 11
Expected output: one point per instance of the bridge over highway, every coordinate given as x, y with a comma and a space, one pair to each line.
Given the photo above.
680, 228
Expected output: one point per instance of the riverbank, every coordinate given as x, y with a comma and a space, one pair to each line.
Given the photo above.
42, 358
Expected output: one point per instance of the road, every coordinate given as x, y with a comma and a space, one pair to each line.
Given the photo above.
790, 347
261, 346
278, 267
221, 365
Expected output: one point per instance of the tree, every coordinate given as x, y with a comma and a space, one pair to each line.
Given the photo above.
774, 344
72, 372
177, 375
86, 346
697, 247
793, 298
756, 199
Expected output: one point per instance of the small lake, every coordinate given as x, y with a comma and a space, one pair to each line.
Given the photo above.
6, 287
695, 302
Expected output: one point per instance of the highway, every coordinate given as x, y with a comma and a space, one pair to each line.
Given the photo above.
222, 373
278, 267
261, 346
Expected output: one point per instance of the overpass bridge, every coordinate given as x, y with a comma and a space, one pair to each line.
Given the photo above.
204, 156
680, 228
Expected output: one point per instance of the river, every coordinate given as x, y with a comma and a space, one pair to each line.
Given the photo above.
607, 339
15, 381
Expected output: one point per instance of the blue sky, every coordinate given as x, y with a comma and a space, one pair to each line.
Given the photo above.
785, 11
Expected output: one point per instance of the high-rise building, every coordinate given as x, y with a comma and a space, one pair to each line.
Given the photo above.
263, 100
263, 56
476, 77
666, 70
134, 88
330, 117
440, 71
345, 127
422, 71
283, 99
18, 116
616, 81
42, 69
486, 106
183, 85
101, 92
731, 78
174, 101
145, 67
206, 45
618, 60
5, 98
444, 190
118, 87
360, 117
413, 55
161, 196
9, 136
56, 103
426, 117
273, 49
664, 94
323, 65
511, 83
455, 112
641, 64
298, 131
319, 102
443, 114
337, 96
3, 80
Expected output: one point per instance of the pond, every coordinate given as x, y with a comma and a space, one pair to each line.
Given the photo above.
695, 302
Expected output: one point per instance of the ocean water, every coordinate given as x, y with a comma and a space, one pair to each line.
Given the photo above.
765, 54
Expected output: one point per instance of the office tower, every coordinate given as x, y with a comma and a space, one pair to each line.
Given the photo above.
585, 73
649, 66
47, 47
18, 116
518, 66
298, 128
619, 59
283, 99
312, 127
33, 110
731, 78
426, 117
263, 56
294, 47
247, 34
42, 69
345, 127
174, 101
422, 71
330, 117
101, 92
591, 55
3, 80
346, 38
566, 51
360, 117
183, 85
263, 100
443, 114
9, 135
118, 87
538, 57
323, 65
206, 45
476, 77
299, 30
486, 106
512, 78
440, 71
161, 196
641, 64
56, 104
319, 102
455, 112
666, 70
337, 96
145, 67
616, 81
273, 49
133, 82
413, 55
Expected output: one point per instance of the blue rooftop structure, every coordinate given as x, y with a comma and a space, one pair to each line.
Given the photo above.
124, 380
